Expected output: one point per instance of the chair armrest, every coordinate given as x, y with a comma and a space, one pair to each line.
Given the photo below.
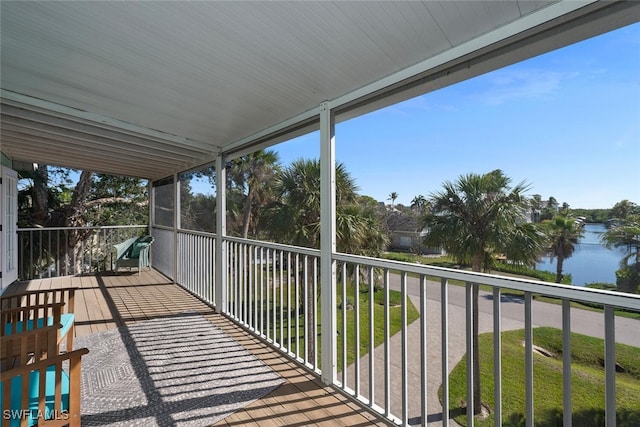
43, 363
50, 386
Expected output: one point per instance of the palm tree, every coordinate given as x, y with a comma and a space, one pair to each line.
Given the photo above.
476, 218
623, 209
536, 207
564, 233
393, 196
550, 209
626, 236
294, 218
419, 203
251, 173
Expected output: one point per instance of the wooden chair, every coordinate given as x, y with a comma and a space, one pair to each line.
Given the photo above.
13, 320
17, 320
35, 389
26, 347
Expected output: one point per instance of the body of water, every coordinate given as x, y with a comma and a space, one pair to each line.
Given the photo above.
591, 261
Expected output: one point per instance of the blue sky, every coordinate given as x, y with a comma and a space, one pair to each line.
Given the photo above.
567, 122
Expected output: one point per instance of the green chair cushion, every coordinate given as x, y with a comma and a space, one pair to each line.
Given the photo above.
66, 320
136, 248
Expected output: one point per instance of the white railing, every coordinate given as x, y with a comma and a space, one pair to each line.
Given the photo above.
64, 251
274, 291
196, 263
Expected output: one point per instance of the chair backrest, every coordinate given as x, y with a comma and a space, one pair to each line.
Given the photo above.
20, 319
46, 297
140, 245
124, 249
146, 239
40, 297
28, 346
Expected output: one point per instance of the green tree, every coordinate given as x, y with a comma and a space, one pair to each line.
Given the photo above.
393, 196
253, 174
476, 218
117, 200
623, 209
294, 218
626, 236
419, 203
550, 209
563, 233
197, 211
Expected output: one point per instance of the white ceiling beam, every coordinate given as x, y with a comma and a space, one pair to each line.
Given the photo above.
104, 165
125, 146
29, 143
24, 101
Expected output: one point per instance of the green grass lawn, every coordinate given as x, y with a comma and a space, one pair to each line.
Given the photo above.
587, 380
395, 320
298, 346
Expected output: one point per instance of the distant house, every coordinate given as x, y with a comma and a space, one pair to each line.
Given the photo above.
405, 233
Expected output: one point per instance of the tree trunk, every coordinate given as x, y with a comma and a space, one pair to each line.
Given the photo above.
40, 196
73, 218
559, 268
247, 214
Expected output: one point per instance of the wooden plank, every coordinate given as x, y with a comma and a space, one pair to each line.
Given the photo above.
108, 318
94, 313
82, 322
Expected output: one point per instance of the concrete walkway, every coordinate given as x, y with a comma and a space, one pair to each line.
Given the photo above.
512, 317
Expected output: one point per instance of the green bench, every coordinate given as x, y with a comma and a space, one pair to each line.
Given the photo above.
133, 252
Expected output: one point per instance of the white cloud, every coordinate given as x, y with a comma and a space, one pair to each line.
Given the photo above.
508, 85
415, 106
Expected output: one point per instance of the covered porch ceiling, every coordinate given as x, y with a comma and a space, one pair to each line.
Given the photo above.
148, 89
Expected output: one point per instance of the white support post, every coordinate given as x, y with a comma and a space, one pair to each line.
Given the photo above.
220, 285
152, 210
328, 244
176, 225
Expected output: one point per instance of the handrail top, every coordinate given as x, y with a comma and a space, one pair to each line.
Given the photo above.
579, 293
272, 245
92, 227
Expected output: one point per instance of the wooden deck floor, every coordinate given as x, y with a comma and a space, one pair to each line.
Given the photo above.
109, 301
